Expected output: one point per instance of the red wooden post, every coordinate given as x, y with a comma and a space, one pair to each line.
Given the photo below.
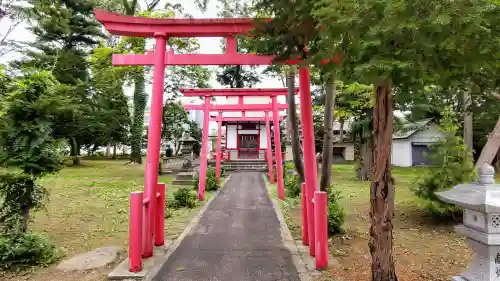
320, 214
269, 151
204, 152
219, 144
135, 232
305, 225
154, 137
277, 150
160, 215
311, 172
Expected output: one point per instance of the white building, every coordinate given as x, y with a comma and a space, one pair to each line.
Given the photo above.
411, 144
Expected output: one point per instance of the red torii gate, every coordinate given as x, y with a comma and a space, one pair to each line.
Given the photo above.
273, 93
268, 154
161, 30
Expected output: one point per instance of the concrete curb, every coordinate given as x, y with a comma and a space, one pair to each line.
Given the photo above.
288, 241
152, 273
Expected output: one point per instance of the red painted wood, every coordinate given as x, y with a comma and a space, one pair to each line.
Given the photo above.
277, 149
192, 59
218, 150
204, 152
236, 107
311, 172
154, 138
160, 216
320, 217
243, 119
146, 27
269, 151
231, 92
135, 232
305, 230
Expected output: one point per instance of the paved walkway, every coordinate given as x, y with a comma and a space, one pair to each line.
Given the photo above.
238, 238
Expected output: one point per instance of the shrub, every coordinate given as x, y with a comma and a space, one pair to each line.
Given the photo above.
336, 214
25, 249
169, 152
184, 197
211, 180
160, 166
196, 181
99, 153
292, 185
452, 165
169, 212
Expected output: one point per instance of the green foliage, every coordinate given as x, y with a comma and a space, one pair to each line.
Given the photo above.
184, 197
336, 214
452, 165
30, 115
211, 181
160, 166
25, 249
292, 185
175, 117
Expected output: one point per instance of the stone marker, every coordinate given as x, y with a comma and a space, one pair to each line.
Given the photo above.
96, 259
481, 224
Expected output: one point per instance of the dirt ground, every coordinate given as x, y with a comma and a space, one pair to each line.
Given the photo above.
423, 249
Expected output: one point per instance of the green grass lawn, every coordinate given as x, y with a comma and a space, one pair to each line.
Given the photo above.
89, 208
423, 248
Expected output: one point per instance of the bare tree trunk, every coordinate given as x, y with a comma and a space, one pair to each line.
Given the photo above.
365, 164
114, 149
341, 121
382, 187
108, 149
293, 128
326, 158
468, 133
490, 149
75, 151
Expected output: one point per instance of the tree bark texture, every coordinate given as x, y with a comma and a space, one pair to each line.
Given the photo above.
114, 149
326, 158
364, 169
75, 151
468, 133
137, 128
382, 187
293, 126
342, 122
491, 147
108, 149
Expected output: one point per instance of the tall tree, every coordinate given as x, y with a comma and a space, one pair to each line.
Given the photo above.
64, 32
390, 47
175, 117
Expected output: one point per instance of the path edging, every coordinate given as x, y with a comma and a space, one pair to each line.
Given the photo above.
288, 240
194, 221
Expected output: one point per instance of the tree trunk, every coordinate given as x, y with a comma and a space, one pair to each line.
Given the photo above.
108, 149
326, 158
341, 121
382, 187
468, 133
490, 149
293, 126
497, 164
177, 146
140, 99
114, 149
364, 170
75, 151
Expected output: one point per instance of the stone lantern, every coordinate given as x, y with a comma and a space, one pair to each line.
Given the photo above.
187, 144
481, 224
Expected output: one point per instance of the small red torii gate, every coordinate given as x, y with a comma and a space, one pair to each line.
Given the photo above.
161, 30
273, 93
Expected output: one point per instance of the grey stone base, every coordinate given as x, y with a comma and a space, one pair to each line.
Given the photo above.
458, 278
121, 272
183, 182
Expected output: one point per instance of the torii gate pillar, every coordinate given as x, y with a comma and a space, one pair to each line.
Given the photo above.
311, 173
277, 149
269, 151
219, 144
204, 152
154, 138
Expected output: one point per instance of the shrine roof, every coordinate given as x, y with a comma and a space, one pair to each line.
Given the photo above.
124, 25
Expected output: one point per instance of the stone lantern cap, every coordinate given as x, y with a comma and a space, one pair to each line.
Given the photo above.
186, 138
482, 196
